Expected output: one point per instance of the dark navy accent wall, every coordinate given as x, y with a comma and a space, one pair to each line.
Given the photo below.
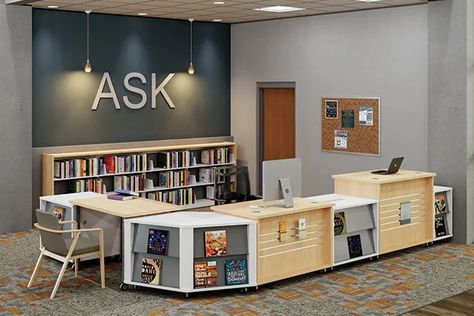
63, 93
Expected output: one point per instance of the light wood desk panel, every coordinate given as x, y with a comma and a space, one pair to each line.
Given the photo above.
415, 187
276, 260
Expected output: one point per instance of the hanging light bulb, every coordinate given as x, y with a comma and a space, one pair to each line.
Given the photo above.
88, 65
191, 66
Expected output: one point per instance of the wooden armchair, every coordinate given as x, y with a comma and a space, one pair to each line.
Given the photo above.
53, 241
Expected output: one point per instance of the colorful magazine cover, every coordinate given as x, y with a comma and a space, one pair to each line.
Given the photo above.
215, 243
158, 242
339, 224
440, 203
205, 274
150, 273
236, 272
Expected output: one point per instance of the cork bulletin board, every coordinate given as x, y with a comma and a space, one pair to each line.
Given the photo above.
351, 125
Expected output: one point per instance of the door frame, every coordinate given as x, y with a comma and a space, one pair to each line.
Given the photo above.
260, 86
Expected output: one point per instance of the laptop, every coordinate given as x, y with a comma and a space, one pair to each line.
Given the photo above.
393, 168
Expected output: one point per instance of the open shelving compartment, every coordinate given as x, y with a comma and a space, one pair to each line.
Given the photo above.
186, 246
361, 219
448, 216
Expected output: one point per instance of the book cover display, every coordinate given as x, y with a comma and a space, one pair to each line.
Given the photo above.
215, 243
441, 205
339, 224
150, 273
355, 246
440, 225
205, 274
158, 242
59, 213
236, 272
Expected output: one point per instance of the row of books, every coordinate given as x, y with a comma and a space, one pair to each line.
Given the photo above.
177, 197
174, 159
173, 179
132, 183
99, 166
89, 185
216, 156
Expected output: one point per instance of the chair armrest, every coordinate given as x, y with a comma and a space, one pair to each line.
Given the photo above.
100, 230
73, 223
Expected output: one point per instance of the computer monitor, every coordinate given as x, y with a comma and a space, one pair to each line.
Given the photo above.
281, 179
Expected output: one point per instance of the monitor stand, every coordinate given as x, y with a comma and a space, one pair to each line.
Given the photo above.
285, 185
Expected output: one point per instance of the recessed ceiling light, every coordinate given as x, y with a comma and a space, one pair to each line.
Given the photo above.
142, 13
217, 20
53, 6
218, 2
279, 9
369, 0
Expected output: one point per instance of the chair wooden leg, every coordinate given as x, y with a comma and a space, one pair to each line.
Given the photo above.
76, 267
58, 281
102, 270
35, 271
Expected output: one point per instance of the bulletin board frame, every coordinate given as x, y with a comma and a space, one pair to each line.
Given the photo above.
346, 134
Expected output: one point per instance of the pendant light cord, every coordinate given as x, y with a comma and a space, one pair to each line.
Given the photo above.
191, 42
88, 36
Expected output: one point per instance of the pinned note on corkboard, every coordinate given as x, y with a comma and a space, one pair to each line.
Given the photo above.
351, 125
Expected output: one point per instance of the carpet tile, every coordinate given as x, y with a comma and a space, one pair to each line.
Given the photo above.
392, 285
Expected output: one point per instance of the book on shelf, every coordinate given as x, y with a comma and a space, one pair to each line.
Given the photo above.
440, 225
132, 183
339, 224
150, 271
210, 192
206, 175
119, 197
441, 205
205, 274
215, 243
158, 242
236, 272
171, 179
355, 246
215, 156
184, 196
87, 185
175, 159
97, 166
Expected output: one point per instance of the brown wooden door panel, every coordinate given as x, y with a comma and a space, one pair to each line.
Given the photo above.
278, 109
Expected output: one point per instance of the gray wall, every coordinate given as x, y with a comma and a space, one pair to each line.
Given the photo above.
15, 118
63, 94
451, 110
378, 53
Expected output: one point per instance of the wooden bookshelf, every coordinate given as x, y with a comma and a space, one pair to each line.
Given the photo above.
53, 184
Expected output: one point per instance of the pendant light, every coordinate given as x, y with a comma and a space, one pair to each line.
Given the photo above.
191, 66
88, 65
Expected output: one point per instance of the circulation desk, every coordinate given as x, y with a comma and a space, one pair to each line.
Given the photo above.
406, 214
283, 250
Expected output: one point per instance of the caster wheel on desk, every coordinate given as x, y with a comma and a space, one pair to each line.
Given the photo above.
243, 290
332, 269
118, 258
123, 286
186, 295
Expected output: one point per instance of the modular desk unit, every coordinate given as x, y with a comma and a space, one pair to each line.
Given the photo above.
406, 216
290, 241
108, 215
185, 246
356, 232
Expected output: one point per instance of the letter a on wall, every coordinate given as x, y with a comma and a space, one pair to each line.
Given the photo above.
106, 95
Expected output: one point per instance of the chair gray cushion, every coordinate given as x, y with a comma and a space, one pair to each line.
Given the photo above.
84, 245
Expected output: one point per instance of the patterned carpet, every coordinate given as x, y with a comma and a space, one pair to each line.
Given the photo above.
392, 285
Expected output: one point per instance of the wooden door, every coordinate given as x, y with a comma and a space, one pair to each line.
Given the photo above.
278, 123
